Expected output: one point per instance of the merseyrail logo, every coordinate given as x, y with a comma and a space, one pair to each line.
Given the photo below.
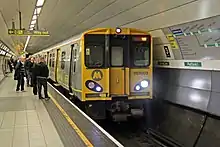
97, 75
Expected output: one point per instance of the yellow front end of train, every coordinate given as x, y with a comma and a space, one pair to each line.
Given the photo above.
117, 69
117, 63
106, 70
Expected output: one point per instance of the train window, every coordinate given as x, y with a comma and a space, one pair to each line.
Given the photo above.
116, 56
63, 57
141, 56
53, 60
75, 51
50, 62
140, 51
94, 56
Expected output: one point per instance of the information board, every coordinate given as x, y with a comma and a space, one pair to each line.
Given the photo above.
196, 40
17, 32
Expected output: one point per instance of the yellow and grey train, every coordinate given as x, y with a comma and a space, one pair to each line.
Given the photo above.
107, 69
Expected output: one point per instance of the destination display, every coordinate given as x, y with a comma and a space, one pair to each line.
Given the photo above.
196, 40
17, 32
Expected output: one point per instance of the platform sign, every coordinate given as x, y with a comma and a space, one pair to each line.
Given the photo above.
193, 64
17, 32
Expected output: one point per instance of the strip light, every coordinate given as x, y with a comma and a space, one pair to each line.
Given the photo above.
33, 22
34, 17
27, 41
37, 10
40, 3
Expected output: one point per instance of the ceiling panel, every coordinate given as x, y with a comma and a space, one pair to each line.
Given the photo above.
143, 11
194, 11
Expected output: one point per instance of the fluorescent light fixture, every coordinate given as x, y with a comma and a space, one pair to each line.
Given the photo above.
34, 17
37, 11
27, 41
33, 22
40, 3
31, 26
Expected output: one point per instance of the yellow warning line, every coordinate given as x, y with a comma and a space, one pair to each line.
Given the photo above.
74, 126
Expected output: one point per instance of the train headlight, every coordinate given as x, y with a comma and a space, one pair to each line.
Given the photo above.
118, 30
137, 87
98, 88
91, 85
144, 84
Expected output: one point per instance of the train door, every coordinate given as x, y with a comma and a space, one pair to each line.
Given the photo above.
57, 65
73, 65
118, 56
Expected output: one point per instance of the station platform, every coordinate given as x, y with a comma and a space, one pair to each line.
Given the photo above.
26, 121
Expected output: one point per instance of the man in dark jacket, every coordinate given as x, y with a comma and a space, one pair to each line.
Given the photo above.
34, 72
42, 75
28, 65
20, 74
10, 65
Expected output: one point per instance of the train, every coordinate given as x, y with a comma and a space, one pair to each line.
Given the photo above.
109, 70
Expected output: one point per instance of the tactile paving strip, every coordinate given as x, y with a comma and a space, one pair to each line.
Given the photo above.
96, 137
68, 136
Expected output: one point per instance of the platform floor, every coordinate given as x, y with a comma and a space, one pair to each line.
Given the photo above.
24, 121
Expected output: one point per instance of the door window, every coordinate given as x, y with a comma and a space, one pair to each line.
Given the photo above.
117, 56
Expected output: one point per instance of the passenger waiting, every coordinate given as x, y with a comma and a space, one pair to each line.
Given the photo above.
34, 71
42, 75
28, 65
20, 74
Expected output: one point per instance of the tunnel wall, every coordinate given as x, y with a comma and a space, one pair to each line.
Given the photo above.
181, 99
197, 89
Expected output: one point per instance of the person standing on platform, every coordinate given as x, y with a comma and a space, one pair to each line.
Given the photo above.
10, 65
28, 65
34, 71
42, 75
15, 62
20, 74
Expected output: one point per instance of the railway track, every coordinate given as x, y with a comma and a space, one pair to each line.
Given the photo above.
133, 133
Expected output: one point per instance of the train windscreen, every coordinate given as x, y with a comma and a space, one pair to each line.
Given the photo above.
94, 50
140, 51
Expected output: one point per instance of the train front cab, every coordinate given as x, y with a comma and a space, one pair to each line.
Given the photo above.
117, 74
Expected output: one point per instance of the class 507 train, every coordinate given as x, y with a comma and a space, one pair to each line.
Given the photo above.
109, 70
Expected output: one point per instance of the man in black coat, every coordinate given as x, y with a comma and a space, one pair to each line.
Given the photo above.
42, 75
28, 64
34, 72
20, 74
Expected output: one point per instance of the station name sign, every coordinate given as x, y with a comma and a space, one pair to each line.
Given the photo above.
193, 64
17, 32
